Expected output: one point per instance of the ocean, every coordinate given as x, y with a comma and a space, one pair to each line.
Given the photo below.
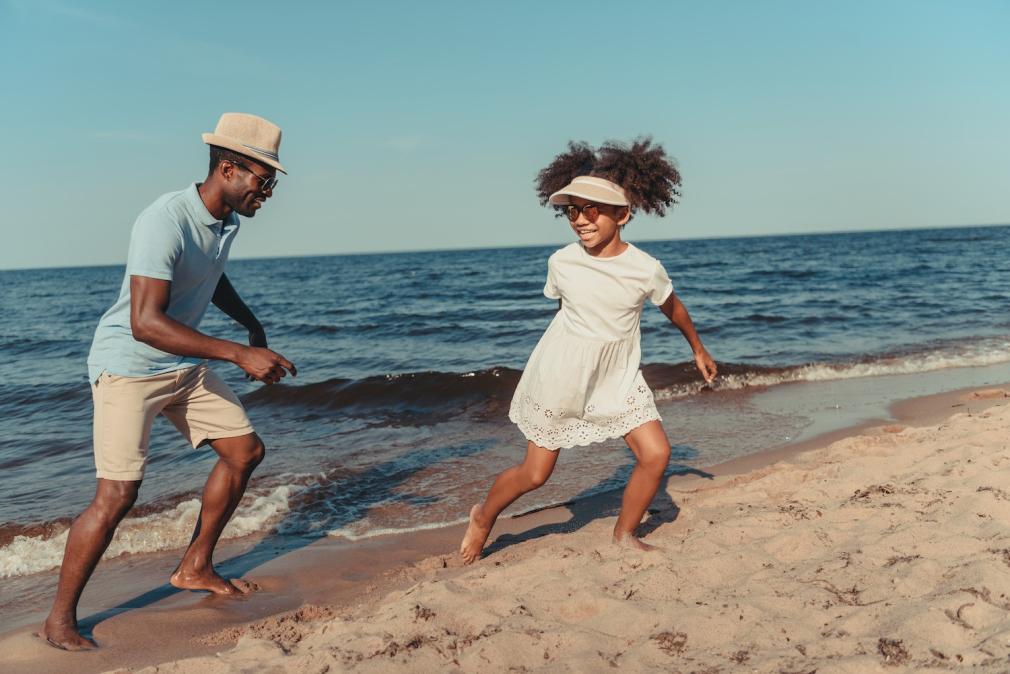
397, 420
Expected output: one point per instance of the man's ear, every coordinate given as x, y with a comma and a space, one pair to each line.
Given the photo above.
226, 169
623, 220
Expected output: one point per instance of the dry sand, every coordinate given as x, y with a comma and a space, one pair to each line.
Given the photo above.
883, 552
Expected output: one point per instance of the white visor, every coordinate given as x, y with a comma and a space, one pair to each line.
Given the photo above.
598, 190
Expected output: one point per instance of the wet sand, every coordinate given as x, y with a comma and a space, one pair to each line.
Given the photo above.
790, 558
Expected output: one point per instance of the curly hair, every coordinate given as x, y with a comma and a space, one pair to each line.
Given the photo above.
578, 161
649, 177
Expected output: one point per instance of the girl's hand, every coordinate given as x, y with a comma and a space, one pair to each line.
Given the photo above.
258, 338
705, 364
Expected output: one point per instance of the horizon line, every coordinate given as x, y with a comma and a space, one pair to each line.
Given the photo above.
540, 245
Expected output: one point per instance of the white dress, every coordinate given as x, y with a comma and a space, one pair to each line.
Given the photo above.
582, 383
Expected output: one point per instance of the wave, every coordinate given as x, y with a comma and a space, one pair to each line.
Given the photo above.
166, 529
430, 397
45, 395
980, 353
36, 347
415, 398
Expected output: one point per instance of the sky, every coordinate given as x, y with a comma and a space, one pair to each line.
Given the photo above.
421, 125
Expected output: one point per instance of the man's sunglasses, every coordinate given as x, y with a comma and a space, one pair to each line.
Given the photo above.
266, 182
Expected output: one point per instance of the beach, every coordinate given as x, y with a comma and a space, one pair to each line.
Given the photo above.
883, 550
249, 417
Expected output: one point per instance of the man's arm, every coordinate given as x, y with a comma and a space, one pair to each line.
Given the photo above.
675, 310
226, 299
151, 325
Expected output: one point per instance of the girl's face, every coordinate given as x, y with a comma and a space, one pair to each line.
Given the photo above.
596, 225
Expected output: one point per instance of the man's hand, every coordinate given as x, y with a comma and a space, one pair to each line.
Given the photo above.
705, 364
264, 365
257, 338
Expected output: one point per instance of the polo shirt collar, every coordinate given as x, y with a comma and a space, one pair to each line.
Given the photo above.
200, 212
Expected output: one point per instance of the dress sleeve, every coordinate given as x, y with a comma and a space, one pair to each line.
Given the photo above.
661, 286
155, 245
551, 290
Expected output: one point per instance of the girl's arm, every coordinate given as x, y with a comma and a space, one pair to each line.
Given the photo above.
675, 310
226, 299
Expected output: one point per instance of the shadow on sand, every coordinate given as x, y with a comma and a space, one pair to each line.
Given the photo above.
604, 500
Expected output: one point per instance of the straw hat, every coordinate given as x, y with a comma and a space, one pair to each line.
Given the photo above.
599, 190
248, 135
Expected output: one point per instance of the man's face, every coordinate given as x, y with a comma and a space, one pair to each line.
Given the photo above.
249, 185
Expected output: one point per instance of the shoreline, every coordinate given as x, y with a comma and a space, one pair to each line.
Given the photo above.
331, 576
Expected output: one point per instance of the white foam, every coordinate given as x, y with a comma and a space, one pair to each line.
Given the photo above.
979, 354
362, 531
165, 530
356, 535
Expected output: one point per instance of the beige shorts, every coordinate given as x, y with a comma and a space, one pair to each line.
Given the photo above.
194, 399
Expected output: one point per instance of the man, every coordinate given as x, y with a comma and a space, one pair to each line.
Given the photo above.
148, 358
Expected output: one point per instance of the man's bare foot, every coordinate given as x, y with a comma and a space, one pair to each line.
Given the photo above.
474, 538
63, 634
211, 582
629, 540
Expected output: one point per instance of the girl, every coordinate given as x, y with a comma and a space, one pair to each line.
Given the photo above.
582, 383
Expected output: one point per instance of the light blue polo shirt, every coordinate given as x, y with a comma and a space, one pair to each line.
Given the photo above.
174, 239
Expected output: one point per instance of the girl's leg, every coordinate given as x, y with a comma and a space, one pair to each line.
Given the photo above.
508, 486
652, 450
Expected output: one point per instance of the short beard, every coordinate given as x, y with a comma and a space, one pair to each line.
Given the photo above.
241, 209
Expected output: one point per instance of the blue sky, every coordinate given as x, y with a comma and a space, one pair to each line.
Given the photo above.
411, 125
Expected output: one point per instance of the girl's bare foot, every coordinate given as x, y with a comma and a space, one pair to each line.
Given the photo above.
474, 538
628, 540
64, 635
211, 582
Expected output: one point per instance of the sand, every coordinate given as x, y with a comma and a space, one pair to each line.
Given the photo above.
881, 552
886, 551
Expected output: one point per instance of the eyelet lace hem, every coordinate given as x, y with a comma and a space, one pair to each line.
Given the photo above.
547, 428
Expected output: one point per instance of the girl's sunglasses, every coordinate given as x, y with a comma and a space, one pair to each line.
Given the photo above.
591, 211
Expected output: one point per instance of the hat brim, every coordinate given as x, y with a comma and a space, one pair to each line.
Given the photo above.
589, 192
230, 144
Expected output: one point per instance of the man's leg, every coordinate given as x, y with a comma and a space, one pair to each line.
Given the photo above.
652, 450
89, 537
238, 457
